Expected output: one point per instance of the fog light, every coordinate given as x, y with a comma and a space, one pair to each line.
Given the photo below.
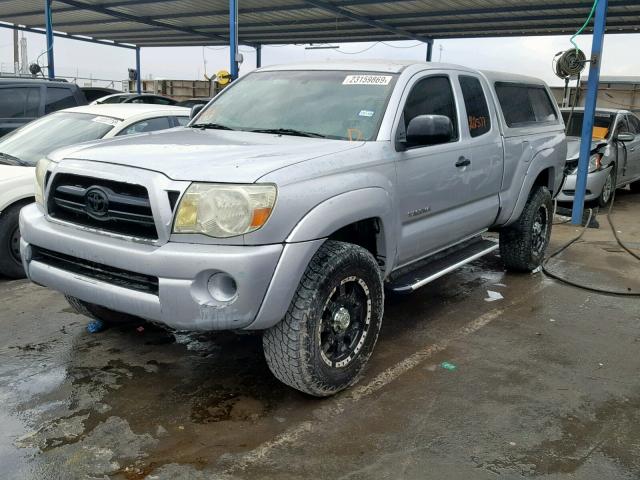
222, 287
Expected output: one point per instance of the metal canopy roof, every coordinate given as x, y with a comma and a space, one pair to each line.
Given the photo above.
161, 23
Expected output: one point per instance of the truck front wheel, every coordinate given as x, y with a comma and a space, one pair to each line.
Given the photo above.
524, 243
332, 324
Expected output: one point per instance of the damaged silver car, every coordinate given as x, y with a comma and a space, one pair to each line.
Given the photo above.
615, 154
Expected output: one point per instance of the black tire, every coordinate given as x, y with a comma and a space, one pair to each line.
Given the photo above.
10, 263
635, 186
317, 348
523, 244
106, 315
607, 189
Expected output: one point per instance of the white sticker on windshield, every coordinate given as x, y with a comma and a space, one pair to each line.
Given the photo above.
367, 80
366, 113
105, 120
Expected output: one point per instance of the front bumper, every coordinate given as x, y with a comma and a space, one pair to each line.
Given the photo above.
595, 182
183, 300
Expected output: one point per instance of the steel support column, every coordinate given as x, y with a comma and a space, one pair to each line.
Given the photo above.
600, 23
429, 50
138, 73
233, 38
51, 72
258, 56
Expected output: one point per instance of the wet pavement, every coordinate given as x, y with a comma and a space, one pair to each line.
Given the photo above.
542, 383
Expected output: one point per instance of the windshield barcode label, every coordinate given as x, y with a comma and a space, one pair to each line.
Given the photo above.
367, 80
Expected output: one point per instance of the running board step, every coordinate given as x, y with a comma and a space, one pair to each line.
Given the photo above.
436, 268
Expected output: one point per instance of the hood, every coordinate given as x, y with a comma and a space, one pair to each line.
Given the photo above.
206, 155
573, 147
9, 173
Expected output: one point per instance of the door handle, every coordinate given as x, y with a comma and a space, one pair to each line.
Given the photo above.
463, 162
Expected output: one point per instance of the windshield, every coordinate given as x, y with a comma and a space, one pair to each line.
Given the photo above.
36, 139
601, 126
330, 104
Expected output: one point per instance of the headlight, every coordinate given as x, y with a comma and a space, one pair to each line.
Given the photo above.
595, 162
220, 210
41, 170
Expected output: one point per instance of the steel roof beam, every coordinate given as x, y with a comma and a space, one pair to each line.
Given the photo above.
384, 37
521, 30
442, 13
355, 29
247, 28
137, 19
67, 35
328, 7
110, 5
301, 6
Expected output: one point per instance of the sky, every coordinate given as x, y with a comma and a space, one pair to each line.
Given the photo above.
525, 55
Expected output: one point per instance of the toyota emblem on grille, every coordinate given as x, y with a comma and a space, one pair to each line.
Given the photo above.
96, 202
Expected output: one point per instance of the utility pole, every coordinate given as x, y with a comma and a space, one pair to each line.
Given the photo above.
16, 52
24, 56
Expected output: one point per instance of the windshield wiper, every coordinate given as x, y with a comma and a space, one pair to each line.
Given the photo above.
288, 131
7, 159
213, 126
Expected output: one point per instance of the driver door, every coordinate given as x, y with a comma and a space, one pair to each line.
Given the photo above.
434, 181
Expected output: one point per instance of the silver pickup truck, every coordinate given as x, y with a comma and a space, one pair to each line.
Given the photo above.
295, 198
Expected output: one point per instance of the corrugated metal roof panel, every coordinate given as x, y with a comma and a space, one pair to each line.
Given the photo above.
199, 22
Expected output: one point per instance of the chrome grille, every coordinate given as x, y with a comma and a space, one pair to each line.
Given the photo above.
107, 205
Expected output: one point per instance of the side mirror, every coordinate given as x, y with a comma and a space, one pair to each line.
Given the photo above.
625, 137
195, 110
429, 130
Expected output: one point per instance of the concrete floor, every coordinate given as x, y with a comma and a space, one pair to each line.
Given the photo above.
545, 385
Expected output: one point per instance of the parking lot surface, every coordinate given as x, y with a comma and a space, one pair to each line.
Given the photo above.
540, 383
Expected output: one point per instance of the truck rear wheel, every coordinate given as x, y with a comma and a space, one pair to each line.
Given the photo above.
524, 243
104, 314
332, 324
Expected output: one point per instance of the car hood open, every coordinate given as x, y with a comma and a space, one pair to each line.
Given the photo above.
206, 155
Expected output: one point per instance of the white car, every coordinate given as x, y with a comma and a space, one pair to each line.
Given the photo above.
22, 148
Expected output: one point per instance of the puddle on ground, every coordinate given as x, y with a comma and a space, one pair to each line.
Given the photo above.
611, 428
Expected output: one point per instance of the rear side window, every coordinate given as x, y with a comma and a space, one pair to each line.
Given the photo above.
20, 102
115, 99
525, 104
59, 98
475, 103
162, 101
149, 125
432, 96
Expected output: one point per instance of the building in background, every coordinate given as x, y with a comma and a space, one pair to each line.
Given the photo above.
621, 92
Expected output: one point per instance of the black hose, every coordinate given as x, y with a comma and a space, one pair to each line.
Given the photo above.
571, 242
613, 229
